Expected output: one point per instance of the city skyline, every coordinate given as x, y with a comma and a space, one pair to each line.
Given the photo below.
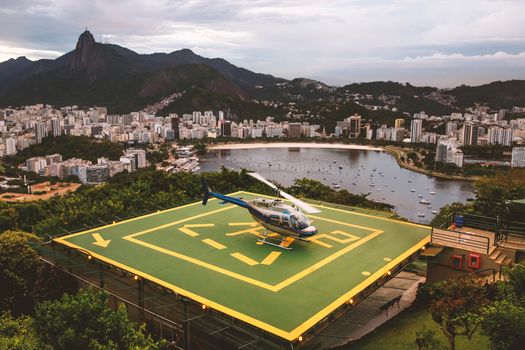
441, 44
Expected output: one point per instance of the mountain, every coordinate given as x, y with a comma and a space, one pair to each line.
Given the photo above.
11, 69
123, 80
498, 94
114, 76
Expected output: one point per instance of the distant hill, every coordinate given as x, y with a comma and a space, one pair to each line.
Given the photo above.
124, 81
11, 69
498, 94
387, 88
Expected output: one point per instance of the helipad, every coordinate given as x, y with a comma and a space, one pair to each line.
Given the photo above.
211, 255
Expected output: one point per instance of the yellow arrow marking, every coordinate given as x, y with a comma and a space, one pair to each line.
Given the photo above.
101, 242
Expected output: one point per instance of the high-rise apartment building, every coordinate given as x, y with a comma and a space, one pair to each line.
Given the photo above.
40, 131
175, 126
355, 126
55, 127
518, 157
226, 129
470, 134
416, 130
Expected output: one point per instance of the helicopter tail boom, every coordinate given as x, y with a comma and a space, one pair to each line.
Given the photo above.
207, 193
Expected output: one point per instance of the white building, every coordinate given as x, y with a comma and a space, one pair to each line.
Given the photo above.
500, 136
518, 157
10, 146
457, 158
40, 131
416, 127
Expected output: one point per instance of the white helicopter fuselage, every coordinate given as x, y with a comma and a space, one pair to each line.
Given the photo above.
281, 218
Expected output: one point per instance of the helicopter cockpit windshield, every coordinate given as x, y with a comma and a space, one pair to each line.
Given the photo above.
299, 221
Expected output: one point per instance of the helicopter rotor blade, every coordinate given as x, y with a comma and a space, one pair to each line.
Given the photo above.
263, 180
305, 207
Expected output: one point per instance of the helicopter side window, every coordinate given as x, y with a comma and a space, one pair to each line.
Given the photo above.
293, 220
274, 219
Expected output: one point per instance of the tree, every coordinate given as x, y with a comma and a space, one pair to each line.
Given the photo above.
84, 322
456, 207
19, 334
493, 193
516, 278
504, 323
455, 305
18, 271
200, 148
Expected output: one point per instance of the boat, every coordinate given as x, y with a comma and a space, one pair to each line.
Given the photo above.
372, 184
432, 192
434, 212
420, 195
421, 215
412, 190
409, 180
336, 186
424, 201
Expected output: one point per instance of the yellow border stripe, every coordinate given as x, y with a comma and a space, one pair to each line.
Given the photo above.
354, 291
214, 244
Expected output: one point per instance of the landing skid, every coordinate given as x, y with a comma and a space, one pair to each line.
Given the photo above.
283, 243
266, 241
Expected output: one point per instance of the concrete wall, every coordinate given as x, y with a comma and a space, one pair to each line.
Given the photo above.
440, 267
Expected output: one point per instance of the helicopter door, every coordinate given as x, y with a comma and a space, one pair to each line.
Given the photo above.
285, 221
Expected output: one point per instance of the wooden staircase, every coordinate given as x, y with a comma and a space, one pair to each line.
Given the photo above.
499, 256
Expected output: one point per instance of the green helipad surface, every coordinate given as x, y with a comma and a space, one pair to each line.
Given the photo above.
211, 255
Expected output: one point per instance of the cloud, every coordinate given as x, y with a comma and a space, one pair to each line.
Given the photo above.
458, 57
289, 38
7, 52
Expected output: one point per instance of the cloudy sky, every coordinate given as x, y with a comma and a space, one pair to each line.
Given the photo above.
439, 43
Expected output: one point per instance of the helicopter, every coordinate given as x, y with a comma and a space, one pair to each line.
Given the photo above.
273, 214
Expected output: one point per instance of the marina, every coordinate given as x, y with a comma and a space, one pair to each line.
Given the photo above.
363, 172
